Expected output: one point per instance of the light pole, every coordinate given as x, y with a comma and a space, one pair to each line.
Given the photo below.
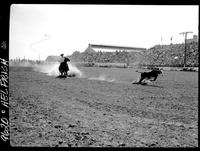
185, 34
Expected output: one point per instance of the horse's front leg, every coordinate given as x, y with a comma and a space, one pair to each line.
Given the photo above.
66, 73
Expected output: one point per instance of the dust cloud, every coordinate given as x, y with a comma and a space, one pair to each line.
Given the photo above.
102, 77
51, 69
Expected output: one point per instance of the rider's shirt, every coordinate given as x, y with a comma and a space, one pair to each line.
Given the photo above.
61, 59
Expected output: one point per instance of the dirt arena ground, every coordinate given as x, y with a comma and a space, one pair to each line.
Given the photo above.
80, 112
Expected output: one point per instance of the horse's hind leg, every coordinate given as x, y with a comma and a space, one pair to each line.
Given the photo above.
141, 79
64, 74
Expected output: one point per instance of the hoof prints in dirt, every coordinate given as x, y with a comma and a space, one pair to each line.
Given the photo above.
45, 112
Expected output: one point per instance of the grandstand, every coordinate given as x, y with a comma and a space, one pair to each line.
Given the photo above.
159, 55
107, 48
194, 39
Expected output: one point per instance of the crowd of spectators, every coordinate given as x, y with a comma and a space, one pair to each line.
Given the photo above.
159, 55
171, 55
103, 57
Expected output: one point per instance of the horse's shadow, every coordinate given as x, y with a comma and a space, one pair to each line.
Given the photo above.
145, 84
65, 76
61, 76
156, 86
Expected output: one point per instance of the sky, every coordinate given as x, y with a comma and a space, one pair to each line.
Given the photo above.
39, 30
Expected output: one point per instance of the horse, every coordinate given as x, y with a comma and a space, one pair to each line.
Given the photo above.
63, 68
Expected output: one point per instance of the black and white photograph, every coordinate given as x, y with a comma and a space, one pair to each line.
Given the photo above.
88, 75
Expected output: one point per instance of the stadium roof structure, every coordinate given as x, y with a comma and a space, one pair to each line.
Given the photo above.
52, 58
92, 47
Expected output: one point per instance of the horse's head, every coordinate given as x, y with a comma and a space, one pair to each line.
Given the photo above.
66, 59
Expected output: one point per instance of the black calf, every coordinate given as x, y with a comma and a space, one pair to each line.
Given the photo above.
149, 75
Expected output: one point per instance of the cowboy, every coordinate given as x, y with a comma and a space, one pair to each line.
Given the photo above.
62, 58
64, 68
